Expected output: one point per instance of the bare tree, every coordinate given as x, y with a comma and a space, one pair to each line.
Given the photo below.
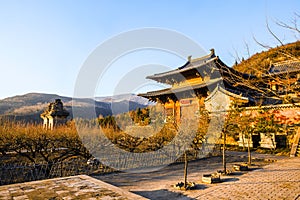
292, 25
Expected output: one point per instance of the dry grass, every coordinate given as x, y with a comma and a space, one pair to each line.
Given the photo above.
36, 144
133, 143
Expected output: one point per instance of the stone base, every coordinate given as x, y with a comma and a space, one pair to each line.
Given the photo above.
245, 144
240, 167
189, 186
211, 178
267, 141
268, 145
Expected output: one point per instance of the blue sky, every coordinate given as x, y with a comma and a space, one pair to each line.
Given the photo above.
43, 44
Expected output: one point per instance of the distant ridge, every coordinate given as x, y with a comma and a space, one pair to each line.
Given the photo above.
28, 107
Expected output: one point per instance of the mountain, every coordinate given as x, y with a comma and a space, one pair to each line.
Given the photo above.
28, 107
123, 97
260, 62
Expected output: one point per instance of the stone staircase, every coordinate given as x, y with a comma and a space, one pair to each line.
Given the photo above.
298, 150
295, 150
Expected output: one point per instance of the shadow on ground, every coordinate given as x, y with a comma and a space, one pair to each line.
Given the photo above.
236, 173
254, 168
200, 187
229, 179
162, 195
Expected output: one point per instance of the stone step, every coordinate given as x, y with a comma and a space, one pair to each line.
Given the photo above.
295, 147
298, 150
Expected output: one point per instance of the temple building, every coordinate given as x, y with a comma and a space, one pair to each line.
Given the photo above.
208, 83
54, 115
203, 82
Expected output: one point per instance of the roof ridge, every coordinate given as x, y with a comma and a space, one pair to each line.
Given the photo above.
224, 91
183, 68
285, 62
210, 55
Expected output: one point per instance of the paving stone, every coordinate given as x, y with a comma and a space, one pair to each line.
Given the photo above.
67, 198
4, 193
82, 187
23, 197
28, 191
61, 192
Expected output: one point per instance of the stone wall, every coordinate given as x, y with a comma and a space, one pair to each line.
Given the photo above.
285, 115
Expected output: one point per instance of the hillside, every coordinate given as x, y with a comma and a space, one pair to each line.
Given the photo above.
260, 62
28, 107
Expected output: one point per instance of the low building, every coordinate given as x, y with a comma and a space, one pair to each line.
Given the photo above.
283, 80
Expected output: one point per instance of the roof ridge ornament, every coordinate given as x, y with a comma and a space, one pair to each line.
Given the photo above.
212, 53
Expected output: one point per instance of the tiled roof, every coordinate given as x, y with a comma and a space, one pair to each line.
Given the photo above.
284, 67
190, 64
210, 65
180, 89
227, 92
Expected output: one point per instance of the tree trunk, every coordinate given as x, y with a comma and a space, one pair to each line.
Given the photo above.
224, 158
48, 169
61, 168
185, 170
243, 140
249, 152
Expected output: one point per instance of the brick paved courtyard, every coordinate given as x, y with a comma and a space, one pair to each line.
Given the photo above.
277, 180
